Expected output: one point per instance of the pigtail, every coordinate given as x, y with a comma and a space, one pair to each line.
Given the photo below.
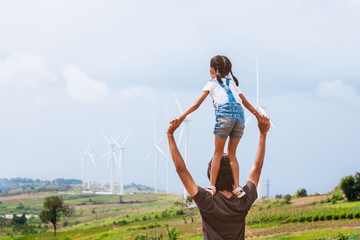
235, 79
217, 66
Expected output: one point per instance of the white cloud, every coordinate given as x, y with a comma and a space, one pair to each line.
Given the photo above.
338, 90
135, 92
82, 88
26, 71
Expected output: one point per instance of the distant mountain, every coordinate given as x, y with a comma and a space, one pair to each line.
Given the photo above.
138, 187
28, 183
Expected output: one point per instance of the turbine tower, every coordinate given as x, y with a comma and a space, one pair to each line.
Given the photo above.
167, 152
91, 166
121, 162
261, 109
186, 126
112, 159
83, 165
156, 148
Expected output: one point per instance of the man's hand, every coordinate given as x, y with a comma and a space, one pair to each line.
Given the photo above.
264, 124
174, 124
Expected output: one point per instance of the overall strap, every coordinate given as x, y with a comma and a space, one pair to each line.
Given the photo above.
228, 90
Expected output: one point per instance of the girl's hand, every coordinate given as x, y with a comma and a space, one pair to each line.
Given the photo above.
174, 124
258, 116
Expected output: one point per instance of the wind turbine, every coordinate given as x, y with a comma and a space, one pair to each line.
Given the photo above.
156, 148
186, 126
83, 158
167, 152
91, 165
121, 162
112, 159
261, 109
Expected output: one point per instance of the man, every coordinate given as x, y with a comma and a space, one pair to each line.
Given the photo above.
223, 215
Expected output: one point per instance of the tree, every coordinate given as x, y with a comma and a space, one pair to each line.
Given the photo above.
301, 193
287, 198
53, 209
18, 220
351, 187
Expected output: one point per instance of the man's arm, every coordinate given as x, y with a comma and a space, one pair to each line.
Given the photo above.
264, 126
179, 163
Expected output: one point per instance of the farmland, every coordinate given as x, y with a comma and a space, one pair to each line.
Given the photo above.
141, 215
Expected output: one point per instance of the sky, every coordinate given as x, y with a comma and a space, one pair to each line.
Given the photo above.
70, 70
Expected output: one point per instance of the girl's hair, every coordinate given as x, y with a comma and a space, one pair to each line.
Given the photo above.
222, 66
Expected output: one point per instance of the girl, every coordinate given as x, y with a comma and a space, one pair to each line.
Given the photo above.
230, 121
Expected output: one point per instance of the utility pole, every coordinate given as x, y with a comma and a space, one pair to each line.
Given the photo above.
267, 187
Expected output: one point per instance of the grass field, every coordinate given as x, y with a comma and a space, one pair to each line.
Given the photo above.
146, 214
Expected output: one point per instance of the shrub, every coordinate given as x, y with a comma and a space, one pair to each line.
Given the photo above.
141, 236
309, 218
278, 196
351, 187
287, 198
316, 217
329, 216
301, 193
343, 215
172, 233
322, 217
144, 218
336, 217
357, 214
180, 212
165, 213
337, 197
349, 216
301, 218
153, 225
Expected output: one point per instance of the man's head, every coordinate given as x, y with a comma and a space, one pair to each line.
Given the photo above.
224, 179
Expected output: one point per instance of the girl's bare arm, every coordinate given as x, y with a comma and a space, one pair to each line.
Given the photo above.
250, 107
195, 106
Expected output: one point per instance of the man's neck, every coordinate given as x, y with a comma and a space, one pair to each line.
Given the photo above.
226, 193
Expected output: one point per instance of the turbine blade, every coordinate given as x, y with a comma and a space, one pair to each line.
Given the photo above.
107, 153
149, 155
180, 135
162, 137
272, 125
159, 149
248, 119
92, 158
115, 139
178, 103
126, 138
118, 145
262, 111
107, 140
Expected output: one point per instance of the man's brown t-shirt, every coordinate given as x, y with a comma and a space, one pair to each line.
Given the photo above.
222, 217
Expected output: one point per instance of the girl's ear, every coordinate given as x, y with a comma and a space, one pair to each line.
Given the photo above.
212, 73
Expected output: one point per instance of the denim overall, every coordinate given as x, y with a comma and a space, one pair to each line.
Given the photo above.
230, 119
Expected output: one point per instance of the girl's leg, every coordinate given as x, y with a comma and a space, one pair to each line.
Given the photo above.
231, 153
218, 153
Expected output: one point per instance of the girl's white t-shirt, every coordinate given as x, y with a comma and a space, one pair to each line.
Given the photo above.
219, 95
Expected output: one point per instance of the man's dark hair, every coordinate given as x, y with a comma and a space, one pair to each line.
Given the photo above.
224, 179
